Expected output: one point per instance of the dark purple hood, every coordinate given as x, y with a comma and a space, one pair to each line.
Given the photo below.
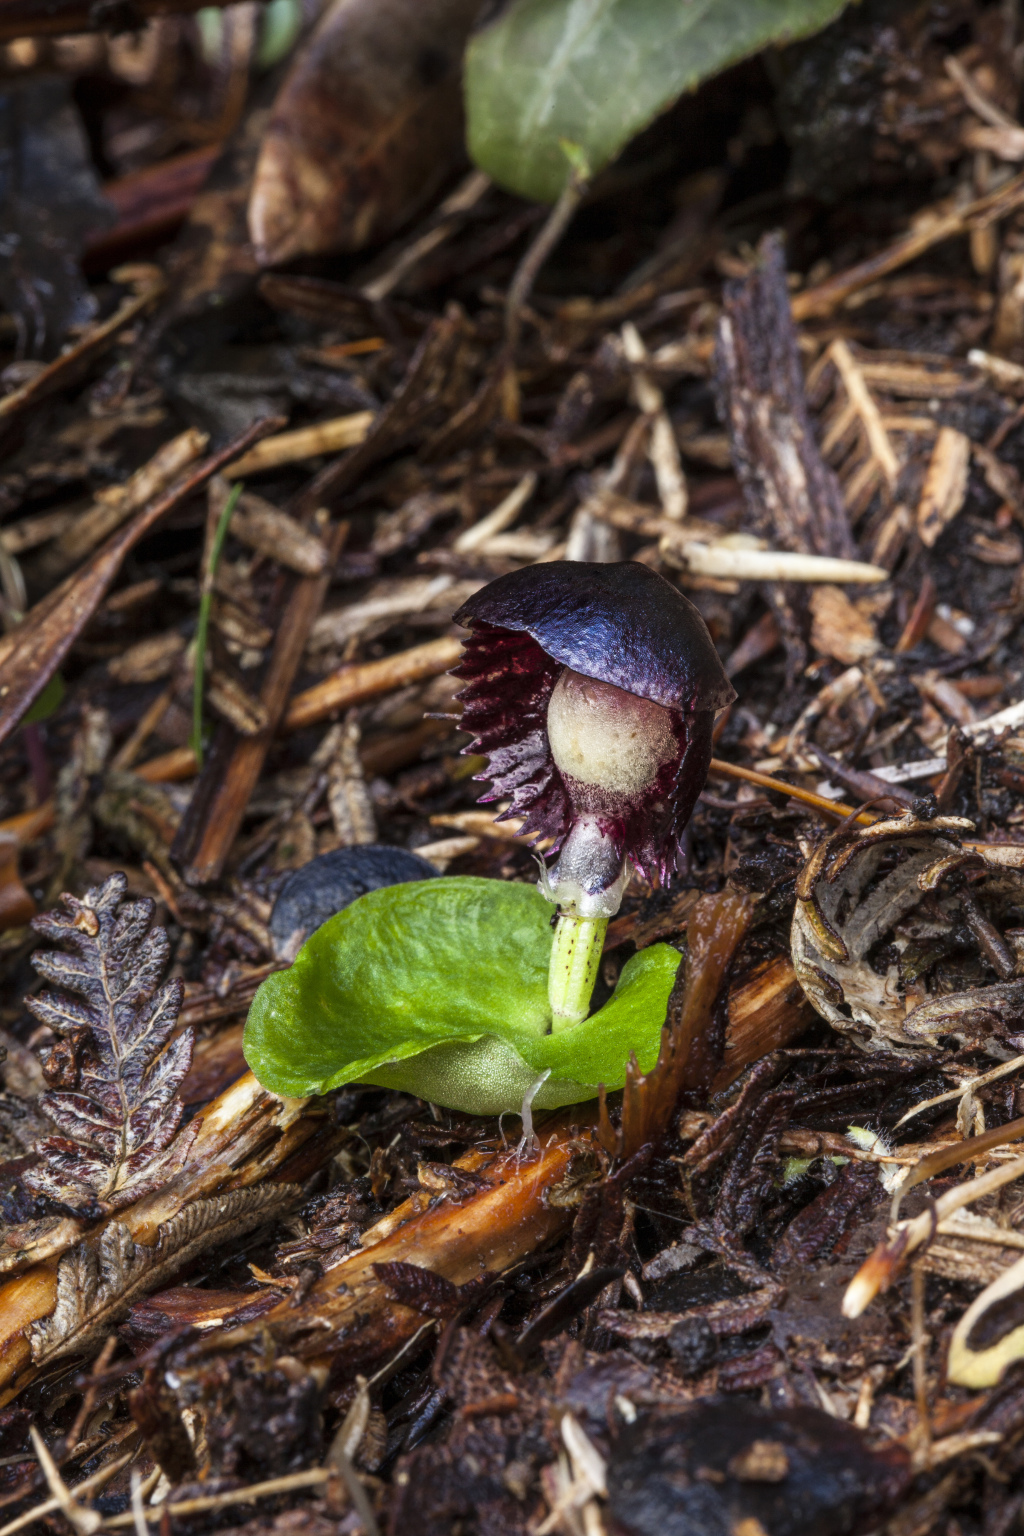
621, 624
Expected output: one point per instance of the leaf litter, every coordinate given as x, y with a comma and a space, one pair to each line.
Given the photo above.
772, 1286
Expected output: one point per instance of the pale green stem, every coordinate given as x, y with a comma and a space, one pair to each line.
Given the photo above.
575, 957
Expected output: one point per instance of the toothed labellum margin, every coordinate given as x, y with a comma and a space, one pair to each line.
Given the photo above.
592, 690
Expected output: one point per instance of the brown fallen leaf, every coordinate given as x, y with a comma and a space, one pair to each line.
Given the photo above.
33, 651
366, 128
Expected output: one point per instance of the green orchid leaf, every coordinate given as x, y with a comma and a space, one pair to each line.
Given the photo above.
594, 72
439, 988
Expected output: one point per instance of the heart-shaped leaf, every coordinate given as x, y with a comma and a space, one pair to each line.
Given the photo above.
594, 72
439, 988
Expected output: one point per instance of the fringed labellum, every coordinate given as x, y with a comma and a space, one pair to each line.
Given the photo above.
901, 935
592, 691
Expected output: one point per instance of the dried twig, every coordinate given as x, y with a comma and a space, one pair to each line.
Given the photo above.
216, 810
90, 1484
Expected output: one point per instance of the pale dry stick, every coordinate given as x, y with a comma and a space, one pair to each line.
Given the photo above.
138, 1508
441, 853
500, 518
30, 532
980, 1231
865, 1401
353, 1426
930, 227
466, 196
85, 1521
981, 1081
126, 754
1007, 375
418, 594
876, 1272
1004, 143
976, 98
265, 528
302, 443
116, 505
920, 1340
957, 1445
1004, 720
839, 425
89, 1484
292, 1481
482, 824
663, 449
861, 399
726, 560
589, 1472
551, 231
341, 1465
585, 540
149, 282
586, 1458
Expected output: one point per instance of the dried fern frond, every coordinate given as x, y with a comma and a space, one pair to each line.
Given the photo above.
103, 1274
115, 1070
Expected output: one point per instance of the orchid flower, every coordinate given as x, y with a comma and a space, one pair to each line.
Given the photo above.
592, 691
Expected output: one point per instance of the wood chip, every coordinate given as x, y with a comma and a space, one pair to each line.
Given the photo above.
863, 402
152, 658
496, 521
304, 443
260, 525
234, 703
839, 629
945, 484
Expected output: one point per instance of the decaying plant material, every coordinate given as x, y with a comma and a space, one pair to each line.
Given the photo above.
880, 908
777, 355
114, 1073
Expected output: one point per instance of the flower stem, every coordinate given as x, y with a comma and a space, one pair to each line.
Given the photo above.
575, 957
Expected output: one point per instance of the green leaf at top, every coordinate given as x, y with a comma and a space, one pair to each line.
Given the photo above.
595, 72
439, 988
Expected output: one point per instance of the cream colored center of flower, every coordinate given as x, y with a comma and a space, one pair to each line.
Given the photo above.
602, 735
